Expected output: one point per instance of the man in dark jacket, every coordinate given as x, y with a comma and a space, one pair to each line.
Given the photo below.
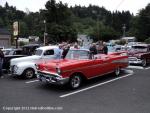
1, 62
105, 49
93, 49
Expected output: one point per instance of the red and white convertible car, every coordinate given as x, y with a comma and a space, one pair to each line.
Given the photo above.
80, 64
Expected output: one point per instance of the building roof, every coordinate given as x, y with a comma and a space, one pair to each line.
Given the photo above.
4, 31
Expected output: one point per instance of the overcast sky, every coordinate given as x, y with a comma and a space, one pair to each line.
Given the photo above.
34, 5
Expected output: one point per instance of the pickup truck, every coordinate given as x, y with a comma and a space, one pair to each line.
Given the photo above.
26, 66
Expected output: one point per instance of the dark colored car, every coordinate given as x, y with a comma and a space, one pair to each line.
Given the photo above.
14, 53
26, 50
140, 54
30, 49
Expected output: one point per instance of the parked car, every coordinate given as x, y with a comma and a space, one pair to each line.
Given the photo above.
30, 49
140, 54
80, 64
10, 54
25, 66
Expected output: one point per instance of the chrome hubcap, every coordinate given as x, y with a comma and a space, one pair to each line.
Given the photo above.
117, 71
29, 73
144, 62
75, 81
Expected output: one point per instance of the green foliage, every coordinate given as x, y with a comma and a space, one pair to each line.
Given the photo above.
143, 24
147, 40
103, 32
60, 26
64, 23
21, 43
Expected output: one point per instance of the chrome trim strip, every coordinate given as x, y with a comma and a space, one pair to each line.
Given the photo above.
125, 60
46, 72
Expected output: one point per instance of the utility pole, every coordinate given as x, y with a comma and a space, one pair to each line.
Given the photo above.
45, 32
98, 29
124, 30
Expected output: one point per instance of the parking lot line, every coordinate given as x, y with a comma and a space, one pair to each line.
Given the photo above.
100, 84
147, 68
31, 81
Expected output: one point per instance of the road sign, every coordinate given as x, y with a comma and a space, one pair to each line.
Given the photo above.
15, 28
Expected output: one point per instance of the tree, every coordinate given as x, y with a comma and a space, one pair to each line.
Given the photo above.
59, 22
144, 24
102, 32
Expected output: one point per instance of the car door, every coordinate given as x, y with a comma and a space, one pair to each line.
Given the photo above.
99, 67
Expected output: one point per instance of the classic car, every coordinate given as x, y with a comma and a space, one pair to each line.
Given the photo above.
80, 64
30, 49
25, 66
10, 54
140, 54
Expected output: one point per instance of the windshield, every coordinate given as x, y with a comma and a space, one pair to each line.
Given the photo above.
6, 52
139, 48
78, 54
38, 52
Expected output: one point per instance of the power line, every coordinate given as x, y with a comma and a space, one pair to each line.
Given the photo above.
119, 4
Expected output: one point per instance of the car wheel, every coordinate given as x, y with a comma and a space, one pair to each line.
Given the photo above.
75, 81
117, 71
29, 73
144, 62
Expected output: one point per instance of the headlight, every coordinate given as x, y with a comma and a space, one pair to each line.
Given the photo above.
58, 71
15, 68
139, 56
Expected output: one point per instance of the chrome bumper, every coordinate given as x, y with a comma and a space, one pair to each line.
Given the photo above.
51, 78
134, 60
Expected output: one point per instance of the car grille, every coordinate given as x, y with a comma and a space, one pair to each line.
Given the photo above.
12, 69
42, 74
132, 58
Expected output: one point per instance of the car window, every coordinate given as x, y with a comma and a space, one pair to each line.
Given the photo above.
11, 52
49, 52
140, 48
77, 54
38, 52
18, 52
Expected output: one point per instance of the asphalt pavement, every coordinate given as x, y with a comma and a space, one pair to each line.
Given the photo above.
127, 93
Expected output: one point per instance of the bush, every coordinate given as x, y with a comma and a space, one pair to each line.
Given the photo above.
21, 43
147, 41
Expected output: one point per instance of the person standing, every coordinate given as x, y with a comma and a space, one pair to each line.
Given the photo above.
65, 50
105, 48
59, 51
100, 48
93, 49
1, 62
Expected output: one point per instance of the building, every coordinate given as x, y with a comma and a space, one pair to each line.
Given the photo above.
129, 39
5, 38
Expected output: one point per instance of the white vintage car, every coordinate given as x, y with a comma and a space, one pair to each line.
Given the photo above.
26, 66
